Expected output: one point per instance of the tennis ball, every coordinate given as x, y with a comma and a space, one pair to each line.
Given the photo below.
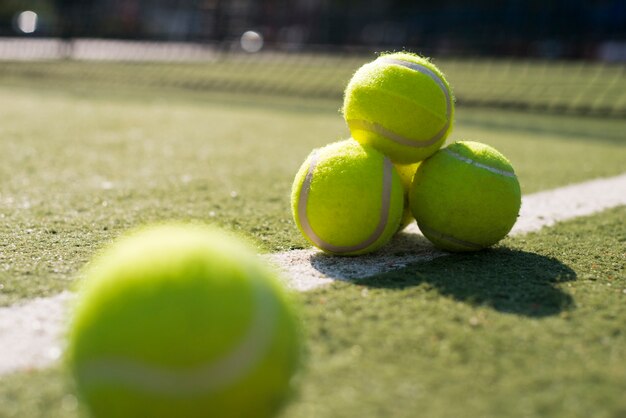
406, 173
401, 105
182, 321
347, 198
465, 197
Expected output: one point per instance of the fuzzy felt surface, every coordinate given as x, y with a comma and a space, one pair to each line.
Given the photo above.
465, 197
405, 102
344, 201
406, 172
163, 314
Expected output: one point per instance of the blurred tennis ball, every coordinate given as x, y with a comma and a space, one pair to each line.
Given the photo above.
465, 197
347, 198
182, 321
400, 104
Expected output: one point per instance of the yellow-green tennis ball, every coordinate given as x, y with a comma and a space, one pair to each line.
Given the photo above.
401, 104
406, 172
182, 321
465, 197
347, 199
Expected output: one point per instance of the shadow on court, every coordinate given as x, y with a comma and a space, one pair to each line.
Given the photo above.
506, 280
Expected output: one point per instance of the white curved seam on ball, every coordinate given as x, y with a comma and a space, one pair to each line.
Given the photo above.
426, 71
382, 222
430, 73
449, 238
365, 125
479, 165
395, 137
194, 380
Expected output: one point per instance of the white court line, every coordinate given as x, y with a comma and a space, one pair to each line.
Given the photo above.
30, 333
546, 208
309, 269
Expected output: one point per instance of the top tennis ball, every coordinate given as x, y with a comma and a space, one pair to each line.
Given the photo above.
401, 105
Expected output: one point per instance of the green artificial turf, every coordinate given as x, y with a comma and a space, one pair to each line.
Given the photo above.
80, 166
531, 328
539, 85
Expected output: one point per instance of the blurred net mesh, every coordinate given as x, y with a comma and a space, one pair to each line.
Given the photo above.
560, 87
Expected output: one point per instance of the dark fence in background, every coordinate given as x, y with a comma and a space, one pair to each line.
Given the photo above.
559, 56
550, 28
535, 85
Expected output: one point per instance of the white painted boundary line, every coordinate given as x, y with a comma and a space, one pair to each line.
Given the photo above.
309, 269
30, 333
546, 208
24, 49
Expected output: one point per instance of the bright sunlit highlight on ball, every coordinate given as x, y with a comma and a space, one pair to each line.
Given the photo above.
27, 21
251, 41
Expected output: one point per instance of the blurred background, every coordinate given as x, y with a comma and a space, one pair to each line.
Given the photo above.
560, 56
552, 29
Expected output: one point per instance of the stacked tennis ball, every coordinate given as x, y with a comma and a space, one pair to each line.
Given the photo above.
352, 196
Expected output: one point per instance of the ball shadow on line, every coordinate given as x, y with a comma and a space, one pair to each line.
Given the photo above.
507, 280
404, 248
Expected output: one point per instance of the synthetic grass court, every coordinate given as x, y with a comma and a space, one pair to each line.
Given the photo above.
531, 328
571, 87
